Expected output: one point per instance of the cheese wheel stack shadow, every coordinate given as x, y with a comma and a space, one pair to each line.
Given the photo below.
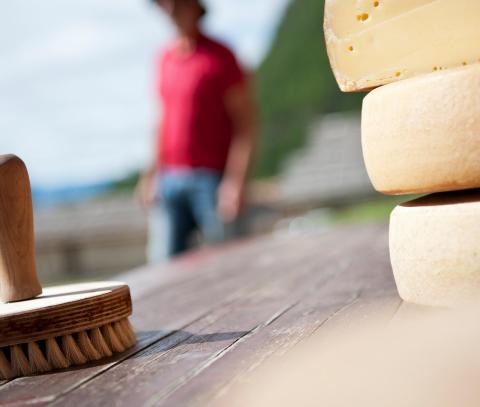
420, 132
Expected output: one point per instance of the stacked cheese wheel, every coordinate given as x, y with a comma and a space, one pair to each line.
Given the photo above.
420, 132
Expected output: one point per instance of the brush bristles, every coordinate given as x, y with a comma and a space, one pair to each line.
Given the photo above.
72, 352
128, 331
112, 339
121, 335
62, 352
20, 364
6, 371
55, 356
98, 341
86, 346
38, 363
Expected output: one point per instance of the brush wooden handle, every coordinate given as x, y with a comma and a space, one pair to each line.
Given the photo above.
18, 273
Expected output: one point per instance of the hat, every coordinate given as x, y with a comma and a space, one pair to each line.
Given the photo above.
199, 2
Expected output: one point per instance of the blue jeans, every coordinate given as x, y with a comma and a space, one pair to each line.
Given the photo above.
187, 201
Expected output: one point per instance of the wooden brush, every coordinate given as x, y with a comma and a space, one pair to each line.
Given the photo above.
63, 326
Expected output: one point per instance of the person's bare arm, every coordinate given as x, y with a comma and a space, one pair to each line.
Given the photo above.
145, 190
243, 112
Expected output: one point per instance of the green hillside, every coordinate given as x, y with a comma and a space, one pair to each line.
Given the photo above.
295, 85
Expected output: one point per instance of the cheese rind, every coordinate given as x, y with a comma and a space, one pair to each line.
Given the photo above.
422, 135
372, 43
435, 249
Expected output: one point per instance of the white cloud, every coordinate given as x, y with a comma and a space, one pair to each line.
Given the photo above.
76, 96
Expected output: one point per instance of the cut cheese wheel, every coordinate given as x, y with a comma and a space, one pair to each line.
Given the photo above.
422, 135
372, 43
435, 249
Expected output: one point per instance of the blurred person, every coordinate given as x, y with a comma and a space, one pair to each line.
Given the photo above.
205, 142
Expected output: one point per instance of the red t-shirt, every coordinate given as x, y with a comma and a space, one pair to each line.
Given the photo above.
196, 129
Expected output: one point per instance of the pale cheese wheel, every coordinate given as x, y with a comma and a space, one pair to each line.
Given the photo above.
372, 43
435, 249
422, 135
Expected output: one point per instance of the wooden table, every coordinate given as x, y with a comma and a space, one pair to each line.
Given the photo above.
207, 320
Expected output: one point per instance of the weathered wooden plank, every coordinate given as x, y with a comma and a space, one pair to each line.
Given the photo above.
195, 265
295, 325
274, 288
46, 388
253, 350
205, 391
161, 368
185, 302
231, 279
272, 341
161, 381
209, 286
378, 298
365, 310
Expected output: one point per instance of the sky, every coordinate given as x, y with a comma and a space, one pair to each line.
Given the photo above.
76, 97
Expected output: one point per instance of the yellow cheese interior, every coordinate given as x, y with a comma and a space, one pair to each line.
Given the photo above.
374, 42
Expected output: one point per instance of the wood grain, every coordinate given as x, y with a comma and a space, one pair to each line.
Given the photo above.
178, 296
207, 320
63, 310
319, 304
18, 274
301, 272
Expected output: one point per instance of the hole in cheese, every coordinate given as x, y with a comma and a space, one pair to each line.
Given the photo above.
362, 17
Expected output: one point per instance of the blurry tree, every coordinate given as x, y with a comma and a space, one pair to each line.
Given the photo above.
295, 85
